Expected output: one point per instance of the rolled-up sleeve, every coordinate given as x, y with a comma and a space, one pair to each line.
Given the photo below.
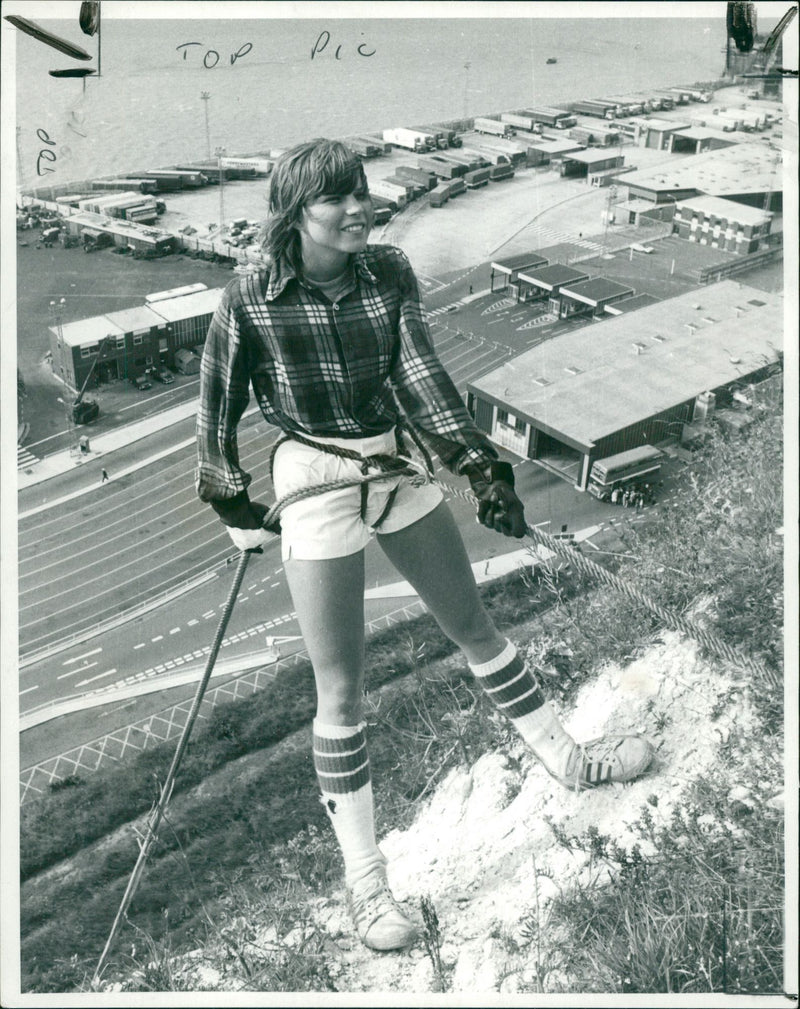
224, 395
427, 393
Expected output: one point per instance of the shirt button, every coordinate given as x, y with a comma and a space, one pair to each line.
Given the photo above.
335, 307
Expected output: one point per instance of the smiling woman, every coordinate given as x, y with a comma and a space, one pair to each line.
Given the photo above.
334, 340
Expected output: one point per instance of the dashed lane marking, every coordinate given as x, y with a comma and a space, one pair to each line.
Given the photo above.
78, 658
159, 637
140, 645
175, 630
75, 672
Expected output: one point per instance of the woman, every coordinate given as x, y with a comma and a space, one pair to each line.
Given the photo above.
332, 337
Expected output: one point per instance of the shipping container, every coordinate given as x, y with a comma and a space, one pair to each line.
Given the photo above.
381, 215
456, 186
469, 158
389, 190
477, 178
494, 126
380, 202
261, 166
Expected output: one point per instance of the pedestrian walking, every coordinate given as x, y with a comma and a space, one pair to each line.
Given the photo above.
470, 288
103, 475
615, 495
333, 338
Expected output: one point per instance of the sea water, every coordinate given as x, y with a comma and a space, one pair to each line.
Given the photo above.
273, 82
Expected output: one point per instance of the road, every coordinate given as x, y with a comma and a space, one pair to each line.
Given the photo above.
97, 558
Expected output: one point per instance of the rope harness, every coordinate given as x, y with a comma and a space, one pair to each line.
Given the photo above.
389, 467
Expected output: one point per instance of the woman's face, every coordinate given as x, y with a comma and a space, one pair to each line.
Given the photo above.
332, 227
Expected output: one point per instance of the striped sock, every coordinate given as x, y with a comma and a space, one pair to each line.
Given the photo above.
342, 765
513, 689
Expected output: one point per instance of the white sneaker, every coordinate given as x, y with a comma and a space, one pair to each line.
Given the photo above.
607, 760
380, 923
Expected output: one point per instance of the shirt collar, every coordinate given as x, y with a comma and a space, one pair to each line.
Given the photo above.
282, 272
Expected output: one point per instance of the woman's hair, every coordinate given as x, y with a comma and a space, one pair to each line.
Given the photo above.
316, 168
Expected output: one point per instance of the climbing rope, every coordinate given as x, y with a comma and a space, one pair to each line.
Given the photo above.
389, 467
414, 471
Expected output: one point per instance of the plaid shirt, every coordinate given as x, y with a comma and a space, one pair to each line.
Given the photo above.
327, 369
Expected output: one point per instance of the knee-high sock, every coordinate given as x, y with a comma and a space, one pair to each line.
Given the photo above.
342, 766
515, 692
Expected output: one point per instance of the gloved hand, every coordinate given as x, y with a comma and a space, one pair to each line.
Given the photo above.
499, 508
244, 521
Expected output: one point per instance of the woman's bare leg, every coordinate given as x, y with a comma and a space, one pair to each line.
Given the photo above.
430, 554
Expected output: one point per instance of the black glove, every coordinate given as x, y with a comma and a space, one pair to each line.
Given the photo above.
499, 508
242, 513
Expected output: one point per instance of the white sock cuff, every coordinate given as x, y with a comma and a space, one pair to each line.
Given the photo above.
336, 731
497, 663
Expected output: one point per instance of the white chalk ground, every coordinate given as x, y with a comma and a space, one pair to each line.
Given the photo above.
482, 851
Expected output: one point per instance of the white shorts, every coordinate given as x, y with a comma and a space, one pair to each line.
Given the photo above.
330, 524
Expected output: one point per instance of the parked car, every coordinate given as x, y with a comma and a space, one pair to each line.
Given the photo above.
163, 375
141, 382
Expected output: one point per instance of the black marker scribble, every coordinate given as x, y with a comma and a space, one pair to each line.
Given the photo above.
45, 154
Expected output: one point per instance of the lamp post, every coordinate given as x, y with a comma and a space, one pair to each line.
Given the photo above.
467, 65
204, 96
220, 153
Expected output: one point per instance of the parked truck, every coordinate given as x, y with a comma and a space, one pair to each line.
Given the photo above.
363, 147
477, 178
442, 167
521, 121
451, 137
389, 190
436, 133
498, 172
126, 185
593, 108
494, 126
544, 115
440, 195
471, 158
422, 176
412, 140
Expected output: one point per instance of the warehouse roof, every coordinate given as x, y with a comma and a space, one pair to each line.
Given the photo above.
85, 332
595, 290
553, 276
661, 125
187, 306
705, 133
131, 320
555, 146
747, 167
729, 210
590, 157
634, 366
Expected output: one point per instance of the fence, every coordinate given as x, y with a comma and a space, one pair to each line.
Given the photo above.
711, 274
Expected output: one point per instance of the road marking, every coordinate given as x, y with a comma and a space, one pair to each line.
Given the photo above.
192, 622
207, 614
140, 645
85, 655
274, 585
260, 592
27, 690
160, 637
75, 672
175, 630
243, 599
100, 676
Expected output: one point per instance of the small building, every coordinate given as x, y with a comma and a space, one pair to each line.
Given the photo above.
186, 362
551, 152
698, 140
656, 133
657, 189
643, 212
723, 224
545, 282
139, 338
585, 164
509, 269
591, 297
637, 379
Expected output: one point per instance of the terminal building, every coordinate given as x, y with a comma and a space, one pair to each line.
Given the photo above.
127, 343
634, 380
723, 224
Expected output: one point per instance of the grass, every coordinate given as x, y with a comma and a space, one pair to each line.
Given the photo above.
695, 908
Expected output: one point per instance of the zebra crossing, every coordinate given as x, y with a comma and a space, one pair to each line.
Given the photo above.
25, 458
552, 236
